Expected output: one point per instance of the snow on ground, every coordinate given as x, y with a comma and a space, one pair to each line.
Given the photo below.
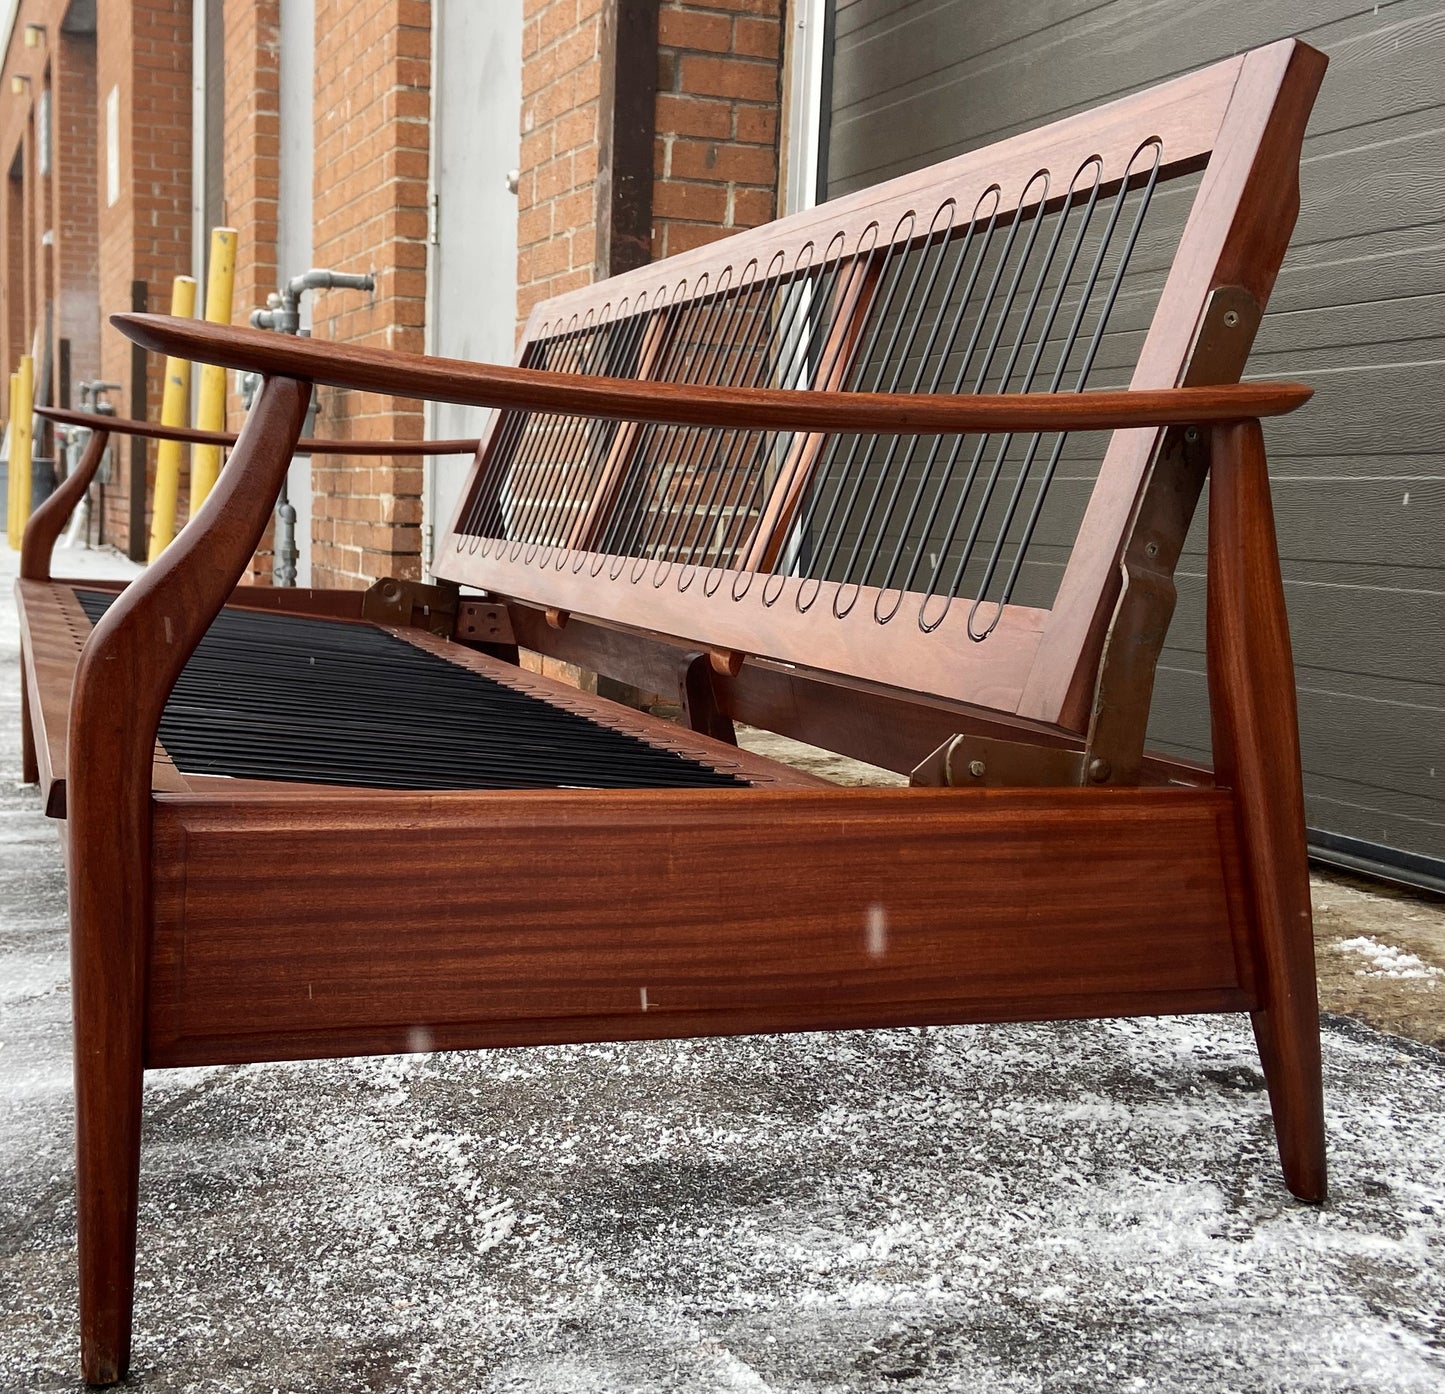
1387, 961
91, 563
1017, 1210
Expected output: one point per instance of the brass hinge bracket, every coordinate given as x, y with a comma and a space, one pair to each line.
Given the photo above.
410, 604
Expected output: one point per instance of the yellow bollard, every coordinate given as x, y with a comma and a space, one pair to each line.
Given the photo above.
21, 422
175, 406
10, 477
211, 410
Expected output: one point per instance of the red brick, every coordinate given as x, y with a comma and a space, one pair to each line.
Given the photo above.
753, 207
692, 29
729, 77
757, 125
694, 116
692, 202
683, 237
723, 163
757, 38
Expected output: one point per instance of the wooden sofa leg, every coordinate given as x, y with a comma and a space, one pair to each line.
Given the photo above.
109, 911
126, 670
1256, 753
107, 1177
29, 764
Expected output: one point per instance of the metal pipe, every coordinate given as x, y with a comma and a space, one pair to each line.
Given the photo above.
284, 307
92, 397
283, 315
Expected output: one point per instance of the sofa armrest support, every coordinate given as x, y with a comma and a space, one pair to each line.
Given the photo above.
190, 435
124, 676
48, 521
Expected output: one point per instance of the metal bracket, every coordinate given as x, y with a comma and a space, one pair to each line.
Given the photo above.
1153, 543
483, 622
1223, 338
986, 762
412, 604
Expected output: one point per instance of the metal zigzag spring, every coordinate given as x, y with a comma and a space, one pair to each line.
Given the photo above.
269, 696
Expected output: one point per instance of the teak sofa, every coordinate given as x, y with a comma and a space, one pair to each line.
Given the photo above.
838, 477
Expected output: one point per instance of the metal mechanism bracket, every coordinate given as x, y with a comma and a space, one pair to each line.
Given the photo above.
410, 603
986, 762
1223, 339
1113, 751
483, 622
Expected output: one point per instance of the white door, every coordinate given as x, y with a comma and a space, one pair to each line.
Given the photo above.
472, 266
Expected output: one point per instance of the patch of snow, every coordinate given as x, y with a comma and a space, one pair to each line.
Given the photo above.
1386, 961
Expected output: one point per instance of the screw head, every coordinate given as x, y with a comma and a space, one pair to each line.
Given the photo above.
1231, 318
1151, 549
1191, 434
1099, 771
976, 768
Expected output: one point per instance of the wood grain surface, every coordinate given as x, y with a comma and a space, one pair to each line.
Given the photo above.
307, 445
1236, 235
313, 927
391, 372
122, 681
1256, 752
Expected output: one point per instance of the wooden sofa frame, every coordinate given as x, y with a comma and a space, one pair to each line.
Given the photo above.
1043, 865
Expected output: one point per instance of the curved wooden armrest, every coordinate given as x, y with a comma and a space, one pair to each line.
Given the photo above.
126, 426
392, 373
49, 519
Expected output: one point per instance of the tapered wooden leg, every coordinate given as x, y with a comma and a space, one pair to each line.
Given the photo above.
125, 672
1256, 753
107, 1150
29, 765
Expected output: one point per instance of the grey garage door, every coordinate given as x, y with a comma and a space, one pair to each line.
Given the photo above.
1359, 311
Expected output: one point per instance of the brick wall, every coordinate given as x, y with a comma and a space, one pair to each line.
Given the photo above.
719, 65
76, 203
146, 234
12, 286
716, 148
50, 226
114, 228
373, 61
556, 201
251, 159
